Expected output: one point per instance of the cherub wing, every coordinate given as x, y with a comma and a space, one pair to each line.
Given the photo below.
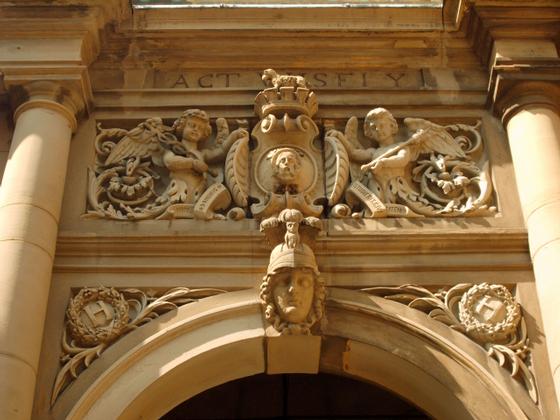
351, 132
337, 168
429, 137
237, 171
140, 142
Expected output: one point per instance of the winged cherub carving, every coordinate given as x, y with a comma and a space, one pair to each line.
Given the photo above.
397, 173
175, 148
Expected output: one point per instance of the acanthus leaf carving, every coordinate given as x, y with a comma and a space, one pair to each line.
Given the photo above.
155, 171
432, 173
486, 313
97, 317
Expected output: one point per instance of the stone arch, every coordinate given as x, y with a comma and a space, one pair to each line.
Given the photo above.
222, 338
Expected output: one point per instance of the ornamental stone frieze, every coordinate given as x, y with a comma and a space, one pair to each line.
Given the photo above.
295, 302
96, 317
289, 160
486, 313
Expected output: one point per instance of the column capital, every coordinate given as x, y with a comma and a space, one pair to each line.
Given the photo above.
518, 84
63, 97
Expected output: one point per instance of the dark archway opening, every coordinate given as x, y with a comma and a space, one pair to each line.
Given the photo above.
295, 396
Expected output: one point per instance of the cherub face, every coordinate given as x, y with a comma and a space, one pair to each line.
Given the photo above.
293, 294
381, 128
195, 130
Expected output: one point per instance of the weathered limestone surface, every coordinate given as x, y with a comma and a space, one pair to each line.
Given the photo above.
30, 201
529, 105
428, 68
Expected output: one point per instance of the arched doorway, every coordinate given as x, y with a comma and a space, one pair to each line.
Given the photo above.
295, 396
221, 339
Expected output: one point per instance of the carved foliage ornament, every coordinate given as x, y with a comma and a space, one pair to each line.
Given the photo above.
486, 313
96, 317
156, 171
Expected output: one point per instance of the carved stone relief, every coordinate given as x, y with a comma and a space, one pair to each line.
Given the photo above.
155, 171
432, 173
486, 313
292, 293
97, 317
293, 300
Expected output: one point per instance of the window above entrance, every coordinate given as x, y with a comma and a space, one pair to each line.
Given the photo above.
288, 3
305, 15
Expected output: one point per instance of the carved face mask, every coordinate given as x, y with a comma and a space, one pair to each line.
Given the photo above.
293, 294
287, 166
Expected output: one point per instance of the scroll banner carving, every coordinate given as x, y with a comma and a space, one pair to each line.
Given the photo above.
97, 317
486, 313
156, 171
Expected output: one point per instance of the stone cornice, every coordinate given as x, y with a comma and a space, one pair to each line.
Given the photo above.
81, 19
334, 16
488, 21
54, 41
237, 245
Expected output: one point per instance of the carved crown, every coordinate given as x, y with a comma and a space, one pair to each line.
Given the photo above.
288, 95
293, 246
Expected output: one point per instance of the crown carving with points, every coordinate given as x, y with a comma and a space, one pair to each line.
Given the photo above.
286, 94
292, 235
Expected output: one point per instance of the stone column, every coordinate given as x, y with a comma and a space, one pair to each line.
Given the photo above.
30, 201
531, 116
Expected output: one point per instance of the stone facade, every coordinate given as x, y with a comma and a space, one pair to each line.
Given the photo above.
194, 195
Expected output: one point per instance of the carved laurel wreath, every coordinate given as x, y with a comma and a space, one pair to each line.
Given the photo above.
505, 340
130, 309
489, 331
90, 335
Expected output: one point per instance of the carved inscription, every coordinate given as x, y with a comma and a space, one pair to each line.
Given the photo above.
198, 167
409, 79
